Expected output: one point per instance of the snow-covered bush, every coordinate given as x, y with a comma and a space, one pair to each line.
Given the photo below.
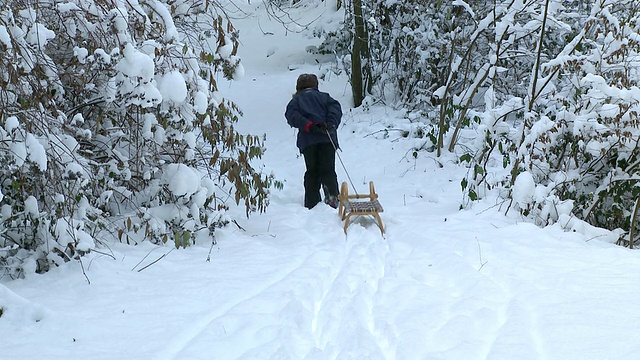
576, 130
402, 55
590, 151
546, 89
111, 123
434, 58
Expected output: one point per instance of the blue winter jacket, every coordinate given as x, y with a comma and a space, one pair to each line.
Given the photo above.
312, 105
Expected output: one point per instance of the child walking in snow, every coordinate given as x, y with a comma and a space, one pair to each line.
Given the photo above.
316, 115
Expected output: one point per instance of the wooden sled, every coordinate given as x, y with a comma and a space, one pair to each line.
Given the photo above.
351, 205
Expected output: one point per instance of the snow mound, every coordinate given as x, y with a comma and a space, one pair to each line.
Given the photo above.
16, 309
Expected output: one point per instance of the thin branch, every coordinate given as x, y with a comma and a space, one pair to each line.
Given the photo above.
156, 260
213, 243
482, 264
149, 253
83, 272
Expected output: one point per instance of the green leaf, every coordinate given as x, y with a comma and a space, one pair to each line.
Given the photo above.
176, 239
186, 238
466, 157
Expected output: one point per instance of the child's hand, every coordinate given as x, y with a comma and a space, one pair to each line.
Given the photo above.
318, 128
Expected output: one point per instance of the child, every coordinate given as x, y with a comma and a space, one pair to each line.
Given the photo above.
316, 115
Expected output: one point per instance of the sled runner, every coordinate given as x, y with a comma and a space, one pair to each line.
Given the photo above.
356, 204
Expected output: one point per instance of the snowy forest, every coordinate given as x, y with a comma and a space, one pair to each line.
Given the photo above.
112, 124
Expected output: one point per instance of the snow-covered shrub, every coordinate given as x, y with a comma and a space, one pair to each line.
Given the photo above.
111, 123
576, 129
547, 89
436, 57
591, 150
402, 53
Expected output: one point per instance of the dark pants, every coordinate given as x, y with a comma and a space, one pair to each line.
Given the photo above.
320, 160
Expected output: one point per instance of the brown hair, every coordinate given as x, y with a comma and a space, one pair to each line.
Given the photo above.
306, 81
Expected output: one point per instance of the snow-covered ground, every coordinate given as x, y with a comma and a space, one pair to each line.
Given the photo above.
442, 283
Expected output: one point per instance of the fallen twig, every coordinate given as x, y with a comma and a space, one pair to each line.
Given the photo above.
156, 260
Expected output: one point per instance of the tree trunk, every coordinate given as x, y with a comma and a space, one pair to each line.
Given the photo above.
359, 50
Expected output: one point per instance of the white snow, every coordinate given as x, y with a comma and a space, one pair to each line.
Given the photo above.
71, 231
31, 206
19, 151
442, 284
39, 35
137, 76
11, 123
190, 139
225, 50
136, 63
81, 54
21, 311
102, 55
239, 71
36, 151
172, 86
524, 189
171, 33
65, 7
5, 38
181, 180
77, 119
73, 170
149, 121
200, 102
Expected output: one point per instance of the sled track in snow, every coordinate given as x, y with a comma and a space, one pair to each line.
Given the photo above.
191, 331
353, 289
319, 329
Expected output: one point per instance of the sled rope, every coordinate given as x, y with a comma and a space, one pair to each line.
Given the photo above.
340, 158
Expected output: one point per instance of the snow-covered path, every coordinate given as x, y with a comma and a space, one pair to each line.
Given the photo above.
442, 284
